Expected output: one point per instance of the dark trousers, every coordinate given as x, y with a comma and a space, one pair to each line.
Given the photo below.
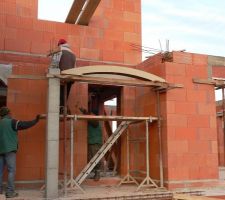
8, 160
92, 150
69, 84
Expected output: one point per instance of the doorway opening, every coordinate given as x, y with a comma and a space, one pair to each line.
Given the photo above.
107, 100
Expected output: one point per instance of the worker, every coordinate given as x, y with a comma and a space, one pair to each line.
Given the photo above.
66, 60
8, 147
94, 140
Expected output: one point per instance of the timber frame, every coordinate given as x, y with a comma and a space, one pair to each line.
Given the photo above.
81, 11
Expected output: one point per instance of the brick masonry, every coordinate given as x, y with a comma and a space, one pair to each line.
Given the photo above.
189, 128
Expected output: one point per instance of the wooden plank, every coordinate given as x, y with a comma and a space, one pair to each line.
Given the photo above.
101, 81
30, 77
216, 82
75, 11
107, 118
111, 153
203, 81
191, 197
88, 12
113, 69
108, 81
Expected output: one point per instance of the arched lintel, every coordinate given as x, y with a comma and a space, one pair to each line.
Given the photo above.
113, 70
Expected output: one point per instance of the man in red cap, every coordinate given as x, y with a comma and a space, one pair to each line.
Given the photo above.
67, 60
61, 41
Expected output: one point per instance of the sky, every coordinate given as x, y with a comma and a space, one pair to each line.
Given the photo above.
197, 26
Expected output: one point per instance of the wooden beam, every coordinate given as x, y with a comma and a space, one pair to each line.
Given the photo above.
30, 77
99, 70
98, 81
107, 118
111, 153
75, 11
88, 12
218, 83
203, 81
110, 81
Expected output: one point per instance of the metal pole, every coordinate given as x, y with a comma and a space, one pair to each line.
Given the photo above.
147, 181
223, 107
147, 148
65, 139
128, 153
128, 178
71, 147
160, 141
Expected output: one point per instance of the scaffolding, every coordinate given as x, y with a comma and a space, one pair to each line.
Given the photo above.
53, 119
147, 182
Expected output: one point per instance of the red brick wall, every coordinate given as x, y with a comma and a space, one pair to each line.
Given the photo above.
189, 131
114, 26
191, 124
220, 132
24, 42
219, 72
146, 105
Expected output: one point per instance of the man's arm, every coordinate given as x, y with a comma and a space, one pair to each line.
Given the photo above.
54, 51
94, 123
21, 125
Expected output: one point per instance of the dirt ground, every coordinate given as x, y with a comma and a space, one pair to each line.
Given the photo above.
118, 193
94, 192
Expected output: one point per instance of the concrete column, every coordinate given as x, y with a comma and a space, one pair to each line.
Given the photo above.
52, 136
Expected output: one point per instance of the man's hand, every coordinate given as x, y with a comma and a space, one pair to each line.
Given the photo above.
83, 110
38, 117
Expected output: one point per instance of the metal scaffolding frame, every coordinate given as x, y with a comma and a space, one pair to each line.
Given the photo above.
72, 183
54, 78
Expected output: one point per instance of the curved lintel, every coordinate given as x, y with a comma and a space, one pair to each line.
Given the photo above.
96, 70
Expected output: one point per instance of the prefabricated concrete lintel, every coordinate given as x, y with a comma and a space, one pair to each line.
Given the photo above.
216, 60
52, 136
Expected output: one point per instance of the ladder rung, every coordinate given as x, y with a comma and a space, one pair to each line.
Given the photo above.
105, 147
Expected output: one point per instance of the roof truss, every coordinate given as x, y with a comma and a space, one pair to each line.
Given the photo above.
81, 11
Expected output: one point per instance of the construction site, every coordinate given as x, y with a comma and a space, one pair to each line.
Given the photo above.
163, 136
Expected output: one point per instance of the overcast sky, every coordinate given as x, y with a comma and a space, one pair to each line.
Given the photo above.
198, 26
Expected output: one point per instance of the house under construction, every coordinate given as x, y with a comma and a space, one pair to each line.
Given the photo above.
169, 130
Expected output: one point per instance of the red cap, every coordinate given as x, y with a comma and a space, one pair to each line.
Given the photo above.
61, 41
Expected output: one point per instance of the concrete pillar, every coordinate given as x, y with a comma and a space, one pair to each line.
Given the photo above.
52, 137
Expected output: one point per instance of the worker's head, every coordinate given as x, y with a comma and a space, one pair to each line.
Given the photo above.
4, 111
62, 41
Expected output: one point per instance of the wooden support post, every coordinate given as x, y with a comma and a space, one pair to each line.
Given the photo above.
147, 182
223, 107
65, 140
128, 178
160, 141
72, 184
